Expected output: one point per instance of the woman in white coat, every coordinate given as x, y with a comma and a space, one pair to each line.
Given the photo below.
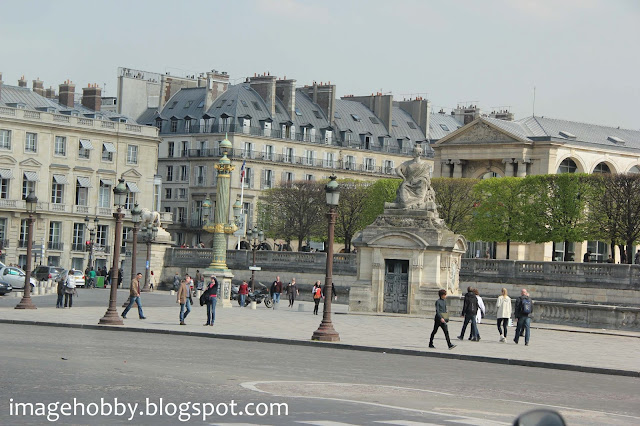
503, 313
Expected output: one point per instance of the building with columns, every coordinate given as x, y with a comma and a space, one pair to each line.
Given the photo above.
494, 147
71, 153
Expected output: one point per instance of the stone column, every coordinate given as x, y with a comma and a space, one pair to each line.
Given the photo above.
508, 169
457, 168
522, 168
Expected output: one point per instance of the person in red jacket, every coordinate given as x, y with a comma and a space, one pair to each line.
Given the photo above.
242, 292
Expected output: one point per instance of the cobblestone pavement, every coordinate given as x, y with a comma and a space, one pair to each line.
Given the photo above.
563, 345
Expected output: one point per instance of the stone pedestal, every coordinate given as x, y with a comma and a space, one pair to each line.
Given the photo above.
156, 262
416, 239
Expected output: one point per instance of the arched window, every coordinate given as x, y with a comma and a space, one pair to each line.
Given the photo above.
602, 168
489, 175
634, 170
567, 166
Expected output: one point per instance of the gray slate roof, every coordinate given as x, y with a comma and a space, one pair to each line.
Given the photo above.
33, 101
436, 121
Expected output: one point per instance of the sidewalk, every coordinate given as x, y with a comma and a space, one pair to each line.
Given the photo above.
560, 347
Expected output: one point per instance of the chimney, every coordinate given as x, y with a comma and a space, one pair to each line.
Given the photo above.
22, 82
265, 85
381, 106
50, 93
38, 87
286, 91
465, 115
217, 84
325, 97
92, 97
420, 110
67, 91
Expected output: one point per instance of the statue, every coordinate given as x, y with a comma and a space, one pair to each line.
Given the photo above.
415, 191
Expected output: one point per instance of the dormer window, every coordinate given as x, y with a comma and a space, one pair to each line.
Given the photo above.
188, 104
173, 105
567, 135
174, 125
444, 127
355, 117
298, 112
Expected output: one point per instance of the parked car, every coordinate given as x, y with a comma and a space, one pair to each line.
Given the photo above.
5, 288
79, 278
15, 277
43, 273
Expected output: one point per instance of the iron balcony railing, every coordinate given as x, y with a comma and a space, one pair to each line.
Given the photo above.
55, 245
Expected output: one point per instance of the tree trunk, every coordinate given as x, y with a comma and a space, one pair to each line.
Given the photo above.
508, 247
300, 241
566, 251
347, 245
613, 251
630, 252
623, 258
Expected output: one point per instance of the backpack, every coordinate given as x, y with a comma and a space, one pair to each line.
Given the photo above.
203, 298
526, 306
317, 293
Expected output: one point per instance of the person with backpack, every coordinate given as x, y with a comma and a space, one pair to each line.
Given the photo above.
524, 308
69, 289
441, 319
503, 313
317, 296
469, 311
210, 298
61, 282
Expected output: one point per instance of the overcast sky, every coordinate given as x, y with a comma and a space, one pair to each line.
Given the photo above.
582, 56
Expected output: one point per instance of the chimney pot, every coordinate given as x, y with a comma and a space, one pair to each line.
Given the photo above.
67, 94
92, 97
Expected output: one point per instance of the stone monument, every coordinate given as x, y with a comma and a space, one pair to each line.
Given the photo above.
407, 254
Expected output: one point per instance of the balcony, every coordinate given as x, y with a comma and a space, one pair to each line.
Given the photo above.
55, 245
81, 209
101, 248
77, 247
4, 244
23, 243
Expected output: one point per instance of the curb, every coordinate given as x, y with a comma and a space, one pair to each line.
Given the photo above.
394, 351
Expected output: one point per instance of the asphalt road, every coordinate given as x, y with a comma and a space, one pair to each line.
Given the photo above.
320, 386
91, 297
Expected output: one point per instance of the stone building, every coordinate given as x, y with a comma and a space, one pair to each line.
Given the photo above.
280, 131
70, 153
495, 145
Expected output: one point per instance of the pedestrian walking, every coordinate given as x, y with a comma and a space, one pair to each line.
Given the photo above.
109, 275
210, 297
636, 260
60, 289
275, 291
524, 308
469, 311
184, 299
176, 281
292, 292
69, 289
120, 277
243, 291
317, 296
152, 281
134, 296
441, 319
199, 280
479, 315
92, 278
503, 313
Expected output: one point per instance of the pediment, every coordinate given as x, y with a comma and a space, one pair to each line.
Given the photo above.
481, 132
30, 162
7, 160
132, 173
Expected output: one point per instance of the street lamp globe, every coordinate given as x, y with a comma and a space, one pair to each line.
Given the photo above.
254, 233
86, 221
332, 192
31, 202
237, 208
261, 236
206, 207
96, 221
136, 213
154, 232
120, 192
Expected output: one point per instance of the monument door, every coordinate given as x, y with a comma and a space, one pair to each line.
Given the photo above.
396, 286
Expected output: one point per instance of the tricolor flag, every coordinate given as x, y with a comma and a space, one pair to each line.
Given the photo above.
242, 170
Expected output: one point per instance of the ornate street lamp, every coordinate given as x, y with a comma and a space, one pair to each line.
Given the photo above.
91, 242
31, 203
257, 237
325, 331
148, 234
120, 192
136, 217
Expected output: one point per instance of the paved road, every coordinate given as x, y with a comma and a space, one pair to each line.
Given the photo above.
572, 347
320, 385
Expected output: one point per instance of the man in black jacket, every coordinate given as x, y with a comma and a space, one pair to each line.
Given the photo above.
469, 311
524, 308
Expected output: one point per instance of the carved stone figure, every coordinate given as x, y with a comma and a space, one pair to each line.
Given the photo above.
415, 191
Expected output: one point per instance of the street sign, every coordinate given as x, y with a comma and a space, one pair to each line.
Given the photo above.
255, 268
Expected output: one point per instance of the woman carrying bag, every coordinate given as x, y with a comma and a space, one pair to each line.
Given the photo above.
503, 313
441, 319
69, 289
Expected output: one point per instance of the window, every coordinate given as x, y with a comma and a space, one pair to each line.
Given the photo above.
31, 142
602, 168
244, 103
567, 166
225, 122
267, 179
373, 120
298, 113
489, 175
317, 114
369, 164
102, 235
248, 178
187, 125
201, 175
247, 152
174, 126
159, 125
268, 152
4, 188
634, 170
558, 252
130, 201
24, 227
180, 214
444, 127
78, 237
411, 125
167, 193
173, 104
184, 173
350, 162
309, 157
288, 155
3, 229
60, 146
82, 191
185, 148
132, 154
55, 229
57, 189
188, 104
287, 177
309, 178
256, 105
171, 149
29, 183
329, 160
247, 211
355, 117
169, 173
84, 148
5, 139
388, 166
599, 251
104, 193
107, 151
182, 193
126, 232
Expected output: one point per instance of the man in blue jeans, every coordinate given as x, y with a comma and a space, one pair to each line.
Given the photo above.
184, 299
524, 308
211, 298
469, 311
134, 296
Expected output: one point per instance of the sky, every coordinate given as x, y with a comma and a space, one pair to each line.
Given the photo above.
581, 56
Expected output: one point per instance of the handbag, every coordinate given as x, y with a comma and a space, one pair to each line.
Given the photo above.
445, 316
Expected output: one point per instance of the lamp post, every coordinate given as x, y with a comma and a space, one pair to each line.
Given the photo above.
136, 216
257, 237
325, 331
148, 234
111, 317
32, 204
92, 235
